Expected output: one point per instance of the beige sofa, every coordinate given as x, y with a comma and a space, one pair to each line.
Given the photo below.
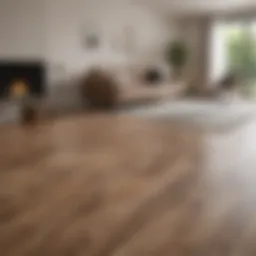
133, 89
145, 93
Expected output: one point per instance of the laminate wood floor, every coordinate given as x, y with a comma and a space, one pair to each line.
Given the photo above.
110, 185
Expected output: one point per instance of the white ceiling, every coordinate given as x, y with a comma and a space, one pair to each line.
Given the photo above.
200, 6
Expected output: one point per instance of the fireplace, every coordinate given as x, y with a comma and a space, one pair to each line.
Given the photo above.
22, 77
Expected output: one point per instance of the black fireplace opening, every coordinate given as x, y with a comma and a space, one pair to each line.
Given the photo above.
31, 75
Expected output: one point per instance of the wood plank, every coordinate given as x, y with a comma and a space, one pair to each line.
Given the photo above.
109, 185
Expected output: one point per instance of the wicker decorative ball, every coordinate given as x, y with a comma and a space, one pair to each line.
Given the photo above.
100, 89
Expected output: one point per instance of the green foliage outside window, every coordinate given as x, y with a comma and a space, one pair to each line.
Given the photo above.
241, 52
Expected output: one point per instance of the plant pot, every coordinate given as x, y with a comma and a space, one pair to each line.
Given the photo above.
28, 115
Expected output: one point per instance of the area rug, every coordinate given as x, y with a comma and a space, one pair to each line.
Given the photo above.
202, 113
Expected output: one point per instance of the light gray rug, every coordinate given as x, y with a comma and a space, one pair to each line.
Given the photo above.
206, 114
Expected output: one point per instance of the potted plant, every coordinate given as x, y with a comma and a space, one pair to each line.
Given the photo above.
19, 92
176, 56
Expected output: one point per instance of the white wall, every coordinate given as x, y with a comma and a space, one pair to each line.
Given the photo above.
22, 32
52, 29
67, 20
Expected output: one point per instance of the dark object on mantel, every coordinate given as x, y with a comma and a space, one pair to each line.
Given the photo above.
30, 73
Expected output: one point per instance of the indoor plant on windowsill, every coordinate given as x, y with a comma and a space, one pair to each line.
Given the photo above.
177, 56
